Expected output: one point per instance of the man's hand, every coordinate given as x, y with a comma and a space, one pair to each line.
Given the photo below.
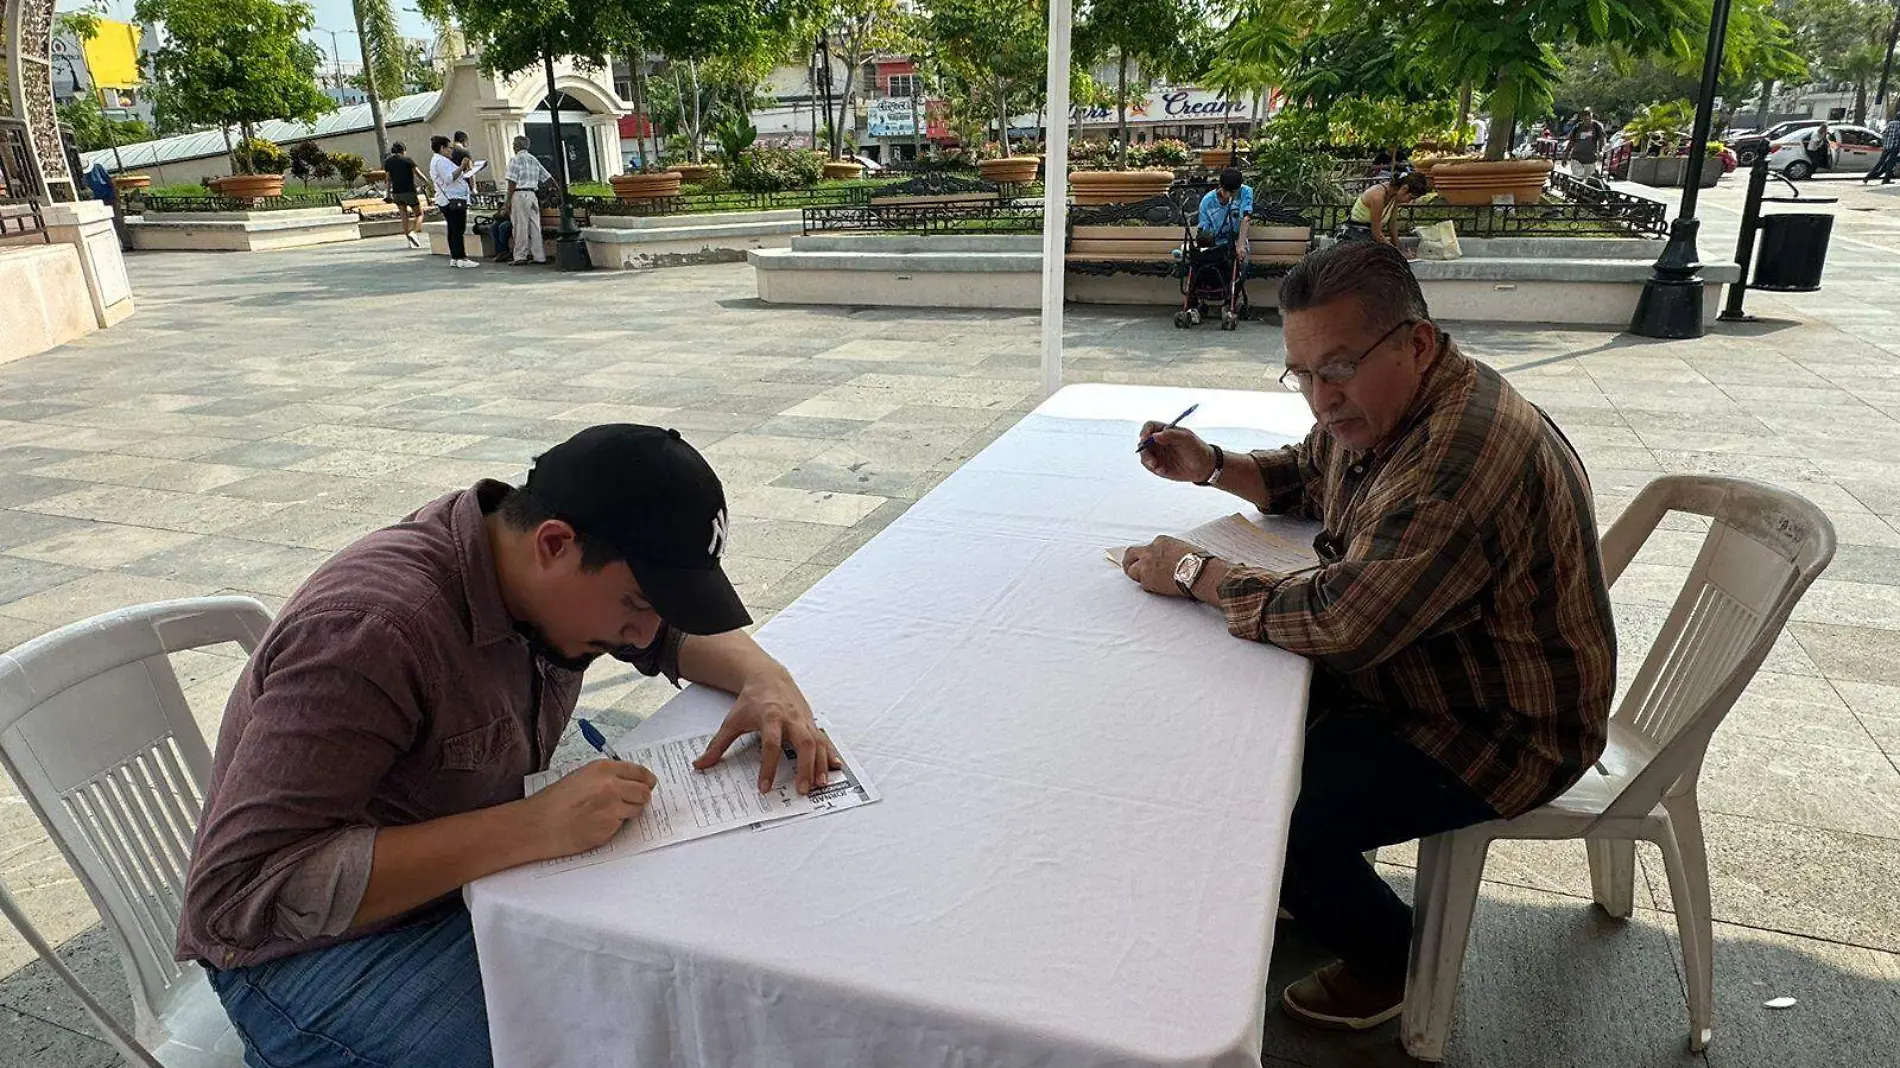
588, 805
774, 707
1178, 454
1152, 564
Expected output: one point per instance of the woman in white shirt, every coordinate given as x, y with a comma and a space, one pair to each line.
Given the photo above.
451, 194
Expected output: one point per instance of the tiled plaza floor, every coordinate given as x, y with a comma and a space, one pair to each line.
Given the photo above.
262, 410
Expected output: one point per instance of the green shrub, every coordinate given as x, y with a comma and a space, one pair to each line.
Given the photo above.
768, 170
1164, 154
349, 166
255, 155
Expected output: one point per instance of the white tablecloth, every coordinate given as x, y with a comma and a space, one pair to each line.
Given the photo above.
1086, 791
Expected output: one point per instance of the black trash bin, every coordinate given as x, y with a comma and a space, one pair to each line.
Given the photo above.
1793, 251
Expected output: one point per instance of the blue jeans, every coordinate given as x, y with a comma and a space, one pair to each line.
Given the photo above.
407, 998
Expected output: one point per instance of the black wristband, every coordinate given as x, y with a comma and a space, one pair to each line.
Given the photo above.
1220, 461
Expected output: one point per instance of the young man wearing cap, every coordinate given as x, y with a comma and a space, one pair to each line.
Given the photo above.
371, 757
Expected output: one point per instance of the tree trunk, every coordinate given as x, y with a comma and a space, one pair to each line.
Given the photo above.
1464, 115
229, 148
679, 97
1002, 117
370, 88
1860, 101
1253, 124
1121, 112
844, 105
699, 135
1503, 120
1761, 112
636, 58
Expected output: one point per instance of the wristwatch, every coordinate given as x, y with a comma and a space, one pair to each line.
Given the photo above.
1187, 571
1220, 464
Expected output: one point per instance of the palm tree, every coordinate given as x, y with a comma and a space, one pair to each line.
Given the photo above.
383, 51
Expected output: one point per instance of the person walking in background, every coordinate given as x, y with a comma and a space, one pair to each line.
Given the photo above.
1889, 153
459, 147
525, 175
1585, 146
451, 195
403, 174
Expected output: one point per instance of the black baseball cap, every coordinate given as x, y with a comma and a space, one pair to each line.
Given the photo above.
651, 496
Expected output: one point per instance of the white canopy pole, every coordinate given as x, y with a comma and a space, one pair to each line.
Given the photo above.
1055, 193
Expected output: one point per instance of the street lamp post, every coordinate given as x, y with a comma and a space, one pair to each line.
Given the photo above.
1671, 304
569, 253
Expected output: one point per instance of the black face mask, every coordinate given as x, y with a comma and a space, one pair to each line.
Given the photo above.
539, 645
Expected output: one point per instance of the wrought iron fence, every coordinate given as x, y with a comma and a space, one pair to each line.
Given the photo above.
1641, 215
986, 217
740, 200
20, 218
139, 201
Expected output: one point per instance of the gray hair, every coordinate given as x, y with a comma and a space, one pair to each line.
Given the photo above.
521, 143
1374, 274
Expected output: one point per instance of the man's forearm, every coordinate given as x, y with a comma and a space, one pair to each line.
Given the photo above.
1240, 475
416, 864
725, 661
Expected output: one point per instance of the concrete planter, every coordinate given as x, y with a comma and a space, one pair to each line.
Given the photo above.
375, 176
1482, 183
633, 188
251, 185
694, 173
128, 182
1010, 169
1217, 157
1666, 172
1118, 187
843, 170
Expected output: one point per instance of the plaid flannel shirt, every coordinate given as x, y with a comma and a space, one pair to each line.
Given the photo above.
1460, 594
1890, 135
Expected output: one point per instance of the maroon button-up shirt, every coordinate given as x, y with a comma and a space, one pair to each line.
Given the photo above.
393, 689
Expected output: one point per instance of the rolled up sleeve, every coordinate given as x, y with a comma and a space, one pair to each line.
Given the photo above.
1399, 579
284, 849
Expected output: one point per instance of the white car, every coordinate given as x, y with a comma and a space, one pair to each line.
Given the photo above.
1850, 150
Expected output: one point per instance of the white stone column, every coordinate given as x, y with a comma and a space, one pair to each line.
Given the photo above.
87, 226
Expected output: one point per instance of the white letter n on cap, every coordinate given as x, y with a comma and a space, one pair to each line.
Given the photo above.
717, 547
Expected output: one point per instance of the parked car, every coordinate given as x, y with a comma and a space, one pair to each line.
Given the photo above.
1854, 150
1750, 144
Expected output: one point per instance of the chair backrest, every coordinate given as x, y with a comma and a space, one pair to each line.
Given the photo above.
96, 731
1764, 547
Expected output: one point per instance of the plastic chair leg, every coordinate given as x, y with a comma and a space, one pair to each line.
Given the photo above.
1450, 867
1687, 861
1613, 874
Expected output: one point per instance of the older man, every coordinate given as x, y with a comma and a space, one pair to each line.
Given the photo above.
525, 174
1458, 619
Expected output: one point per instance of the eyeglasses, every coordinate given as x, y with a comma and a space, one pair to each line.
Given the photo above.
1339, 372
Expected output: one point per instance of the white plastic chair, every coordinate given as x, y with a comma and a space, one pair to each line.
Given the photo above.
96, 732
1763, 549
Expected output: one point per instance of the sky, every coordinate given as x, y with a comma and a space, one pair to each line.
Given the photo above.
331, 15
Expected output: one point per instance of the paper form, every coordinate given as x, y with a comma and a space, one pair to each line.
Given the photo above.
688, 803
1237, 540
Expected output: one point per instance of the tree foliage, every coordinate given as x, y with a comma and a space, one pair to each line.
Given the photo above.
93, 130
988, 52
235, 61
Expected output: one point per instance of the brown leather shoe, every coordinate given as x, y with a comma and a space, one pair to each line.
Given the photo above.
1333, 999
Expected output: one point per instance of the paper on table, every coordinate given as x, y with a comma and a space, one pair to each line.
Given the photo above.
1235, 539
689, 803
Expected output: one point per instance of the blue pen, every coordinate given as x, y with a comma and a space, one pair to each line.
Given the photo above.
1150, 439
598, 740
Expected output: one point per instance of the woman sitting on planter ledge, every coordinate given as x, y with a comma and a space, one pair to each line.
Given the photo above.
1375, 215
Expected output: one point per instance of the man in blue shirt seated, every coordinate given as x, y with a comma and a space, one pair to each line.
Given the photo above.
1224, 211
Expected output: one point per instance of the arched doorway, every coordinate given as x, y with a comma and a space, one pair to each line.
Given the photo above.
575, 136
33, 162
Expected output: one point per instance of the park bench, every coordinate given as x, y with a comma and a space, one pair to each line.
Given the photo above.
1141, 238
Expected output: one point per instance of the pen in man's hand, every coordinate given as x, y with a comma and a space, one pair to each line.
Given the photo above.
1150, 439
598, 740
